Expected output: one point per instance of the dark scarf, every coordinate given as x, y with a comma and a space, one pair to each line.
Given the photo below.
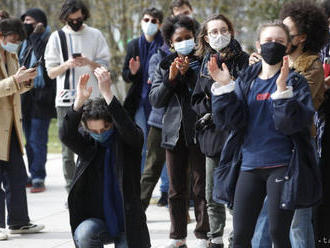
146, 50
227, 56
112, 198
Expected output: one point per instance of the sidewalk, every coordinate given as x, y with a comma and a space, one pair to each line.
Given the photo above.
48, 208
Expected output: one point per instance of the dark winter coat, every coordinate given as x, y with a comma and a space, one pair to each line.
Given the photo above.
129, 142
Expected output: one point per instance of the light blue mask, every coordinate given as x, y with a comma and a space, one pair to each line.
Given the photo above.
102, 137
10, 47
184, 47
149, 28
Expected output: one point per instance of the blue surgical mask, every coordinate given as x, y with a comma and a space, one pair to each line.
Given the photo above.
10, 47
102, 137
149, 28
184, 47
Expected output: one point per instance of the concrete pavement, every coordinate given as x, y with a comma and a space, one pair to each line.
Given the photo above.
49, 208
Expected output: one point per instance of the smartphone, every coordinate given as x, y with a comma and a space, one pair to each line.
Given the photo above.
76, 55
36, 64
326, 66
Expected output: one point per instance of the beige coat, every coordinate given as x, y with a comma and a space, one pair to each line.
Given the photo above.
10, 105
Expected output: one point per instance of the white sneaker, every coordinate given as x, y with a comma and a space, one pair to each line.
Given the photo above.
200, 243
3, 234
29, 228
176, 243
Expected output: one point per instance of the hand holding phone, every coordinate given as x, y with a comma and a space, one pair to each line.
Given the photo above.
36, 64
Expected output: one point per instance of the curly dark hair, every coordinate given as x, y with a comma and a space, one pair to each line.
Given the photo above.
96, 109
203, 47
309, 19
156, 13
72, 6
174, 22
12, 25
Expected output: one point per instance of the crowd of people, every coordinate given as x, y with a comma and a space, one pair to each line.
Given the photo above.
222, 129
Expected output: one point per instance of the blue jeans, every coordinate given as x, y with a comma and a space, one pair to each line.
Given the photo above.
141, 120
36, 135
93, 233
261, 237
164, 185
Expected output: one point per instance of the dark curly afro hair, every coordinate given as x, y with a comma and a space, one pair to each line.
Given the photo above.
309, 19
174, 22
96, 109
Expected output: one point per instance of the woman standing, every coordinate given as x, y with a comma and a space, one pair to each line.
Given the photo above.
173, 83
216, 39
269, 109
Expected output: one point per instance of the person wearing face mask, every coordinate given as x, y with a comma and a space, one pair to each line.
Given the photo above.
301, 18
269, 112
216, 39
13, 82
173, 83
38, 104
135, 70
104, 200
74, 50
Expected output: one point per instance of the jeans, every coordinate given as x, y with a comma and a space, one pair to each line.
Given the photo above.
164, 185
178, 161
154, 167
12, 187
141, 120
36, 135
68, 163
92, 233
216, 211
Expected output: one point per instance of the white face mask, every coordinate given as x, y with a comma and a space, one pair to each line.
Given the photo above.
149, 28
184, 47
10, 47
219, 42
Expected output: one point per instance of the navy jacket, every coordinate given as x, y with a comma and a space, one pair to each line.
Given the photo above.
293, 117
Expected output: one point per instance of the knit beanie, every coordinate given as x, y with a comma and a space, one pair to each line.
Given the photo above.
37, 14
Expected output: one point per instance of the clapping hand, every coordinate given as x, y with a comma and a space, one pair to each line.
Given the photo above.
282, 78
83, 93
104, 83
221, 76
134, 65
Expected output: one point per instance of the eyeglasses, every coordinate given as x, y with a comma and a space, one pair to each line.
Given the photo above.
215, 32
153, 20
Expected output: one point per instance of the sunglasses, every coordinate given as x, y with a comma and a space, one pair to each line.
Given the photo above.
153, 20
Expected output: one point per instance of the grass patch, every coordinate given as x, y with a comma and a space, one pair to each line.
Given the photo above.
54, 144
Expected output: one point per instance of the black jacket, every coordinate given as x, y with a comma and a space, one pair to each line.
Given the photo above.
211, 140
293, 117
176, 98
129, 142
38, 102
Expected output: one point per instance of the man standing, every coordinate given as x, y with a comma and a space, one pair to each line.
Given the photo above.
135, 70
104, 200
74, 50
38, 104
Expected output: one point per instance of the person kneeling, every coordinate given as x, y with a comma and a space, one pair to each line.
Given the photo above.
104, 199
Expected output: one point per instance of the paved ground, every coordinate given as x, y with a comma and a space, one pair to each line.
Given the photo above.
48, 208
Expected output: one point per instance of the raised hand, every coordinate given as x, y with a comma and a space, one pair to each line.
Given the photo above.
104, 83
254, 58
173, 71
283, 77
182, 64
83, 93
134, 65
221, 76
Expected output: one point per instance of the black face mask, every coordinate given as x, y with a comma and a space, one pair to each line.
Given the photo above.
75, 25
272, 52
28, 28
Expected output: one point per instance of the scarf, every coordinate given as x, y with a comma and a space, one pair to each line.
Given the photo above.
26, 52
146, 50
112, 198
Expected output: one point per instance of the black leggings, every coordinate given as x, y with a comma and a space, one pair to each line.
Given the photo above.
251, 190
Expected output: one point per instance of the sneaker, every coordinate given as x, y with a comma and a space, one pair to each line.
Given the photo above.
29, 182
3, 234
200, 243
212, 245
162, 202
29, 228
38, 187
176, 243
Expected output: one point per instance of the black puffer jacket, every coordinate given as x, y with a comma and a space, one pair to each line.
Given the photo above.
211, 140
86, 183
176, 98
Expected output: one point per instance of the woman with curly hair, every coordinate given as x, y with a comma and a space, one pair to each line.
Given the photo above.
308, 28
